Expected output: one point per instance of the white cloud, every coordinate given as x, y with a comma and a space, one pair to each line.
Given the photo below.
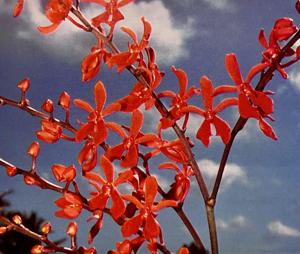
220, 4
232, 173
294, 78
236, 222
278, 228
168, 38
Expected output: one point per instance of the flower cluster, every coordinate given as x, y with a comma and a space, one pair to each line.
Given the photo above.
115, 155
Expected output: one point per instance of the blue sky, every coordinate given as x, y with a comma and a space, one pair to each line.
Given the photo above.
258, 207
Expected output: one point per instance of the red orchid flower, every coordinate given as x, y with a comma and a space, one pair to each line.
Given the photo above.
56, 12
87, 157
172, 149
50, 131
91, 64
111, 15
96, 127
179, 100
140, 93
108, 188
153, 74
130, 142
210, 114
282, 30
18, 8
63, 173
147, 212
71, 205
127, 58
127, 246
252, 103
180, 188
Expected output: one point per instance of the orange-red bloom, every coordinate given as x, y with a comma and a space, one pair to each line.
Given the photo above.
252, 103
111, 15
180, 188
147, 212
127, 58
179, 101
108, 188
71, 205
210, 114
130, 142
50, 131
282, 30
63, 173
96, 127
56, 11
91, 64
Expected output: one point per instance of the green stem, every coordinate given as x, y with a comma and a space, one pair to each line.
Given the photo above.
212, 227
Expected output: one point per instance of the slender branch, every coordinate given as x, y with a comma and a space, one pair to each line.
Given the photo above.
25, 231
32, 111
190, 228
212, 228
42, 182
265, 78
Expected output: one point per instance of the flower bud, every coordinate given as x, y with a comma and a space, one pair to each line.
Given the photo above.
63, 173
29, 180
64, 100
11, 170
46, 228
3, 230
24, 84
37, 249
17, 219
72, 229
184, 250
48, 106
34, 149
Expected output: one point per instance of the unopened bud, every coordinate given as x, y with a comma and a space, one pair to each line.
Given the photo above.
29, 180
90, 251
37, 249
24, 84
11, 170
184, 250
64, 100
72, 229
17, 219
34, 149
46, 228
48, 106
3, 230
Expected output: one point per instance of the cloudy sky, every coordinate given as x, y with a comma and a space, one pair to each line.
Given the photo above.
258, 206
